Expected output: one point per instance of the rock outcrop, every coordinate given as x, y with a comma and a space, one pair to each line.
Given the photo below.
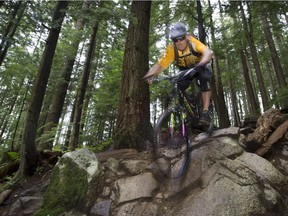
224, 177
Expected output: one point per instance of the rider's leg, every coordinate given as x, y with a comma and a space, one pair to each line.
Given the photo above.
206, 96
205, 85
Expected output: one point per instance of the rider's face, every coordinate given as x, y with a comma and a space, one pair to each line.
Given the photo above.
181, 43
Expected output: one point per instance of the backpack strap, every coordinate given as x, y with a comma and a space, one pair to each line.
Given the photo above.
192, 51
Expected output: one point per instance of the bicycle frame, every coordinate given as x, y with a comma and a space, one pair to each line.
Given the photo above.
183, 105
183, 101
174, 128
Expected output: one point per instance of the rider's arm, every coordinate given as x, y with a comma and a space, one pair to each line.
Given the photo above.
166, 59
203, 49
206, 57
155, 70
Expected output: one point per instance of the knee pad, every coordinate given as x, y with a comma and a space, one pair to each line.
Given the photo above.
205, 79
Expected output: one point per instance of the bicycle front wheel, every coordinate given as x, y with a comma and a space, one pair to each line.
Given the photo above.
172, 143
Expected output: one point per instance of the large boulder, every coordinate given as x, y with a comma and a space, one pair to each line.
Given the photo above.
75, 183
223, 179
135, 187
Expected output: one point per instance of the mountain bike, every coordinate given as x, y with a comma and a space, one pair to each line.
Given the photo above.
174, 129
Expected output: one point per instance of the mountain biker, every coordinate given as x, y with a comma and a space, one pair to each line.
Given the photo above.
188, 52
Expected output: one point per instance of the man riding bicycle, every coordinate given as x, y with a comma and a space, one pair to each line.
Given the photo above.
187, 52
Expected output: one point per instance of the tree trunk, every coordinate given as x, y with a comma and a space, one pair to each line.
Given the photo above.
11, 29
8, 115
235, 110
15, 133
218, 94
29, 153
274, 55
82, 90
69, 129
272, 49
253, 105
201, 30
9, 26
281, 44
62, 87
249, 37
133, 127
272, 82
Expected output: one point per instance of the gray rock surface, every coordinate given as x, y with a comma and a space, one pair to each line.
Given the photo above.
135, 187
222, 179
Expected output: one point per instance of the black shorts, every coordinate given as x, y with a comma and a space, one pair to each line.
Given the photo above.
204, 77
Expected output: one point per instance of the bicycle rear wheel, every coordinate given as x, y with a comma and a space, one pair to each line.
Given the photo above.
172, 144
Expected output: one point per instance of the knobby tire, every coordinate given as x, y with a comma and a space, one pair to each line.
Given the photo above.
170, 143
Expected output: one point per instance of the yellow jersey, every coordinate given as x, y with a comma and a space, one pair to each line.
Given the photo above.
188, 61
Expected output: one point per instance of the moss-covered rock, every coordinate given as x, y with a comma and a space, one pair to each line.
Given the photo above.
75, 183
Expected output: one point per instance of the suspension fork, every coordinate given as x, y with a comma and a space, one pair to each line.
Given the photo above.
183, 117
172, 124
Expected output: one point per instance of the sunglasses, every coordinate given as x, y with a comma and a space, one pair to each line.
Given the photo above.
179, 39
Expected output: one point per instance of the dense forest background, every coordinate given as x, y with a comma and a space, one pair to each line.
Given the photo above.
70, 72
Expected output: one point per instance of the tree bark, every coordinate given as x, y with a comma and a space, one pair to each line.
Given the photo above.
249, 37
235, 110
11, 29
133, 127
82, 90
272, 49
217, 87
253, 106
201, 30
62, 87
15, 134
10, 25
29, 153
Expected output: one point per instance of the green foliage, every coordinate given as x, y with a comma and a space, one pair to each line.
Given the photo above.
23, 58
101, 146
40, 170
48, 136
160, 90
8, 156
281, 98
14, 155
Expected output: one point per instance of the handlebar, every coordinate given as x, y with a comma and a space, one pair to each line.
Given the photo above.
192, 72
164, 77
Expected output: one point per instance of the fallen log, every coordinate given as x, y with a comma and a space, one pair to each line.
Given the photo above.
117, 154
4, 195
9, 168
267, 123
275, 136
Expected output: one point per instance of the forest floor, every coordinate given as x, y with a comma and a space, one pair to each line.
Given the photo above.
31, 188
